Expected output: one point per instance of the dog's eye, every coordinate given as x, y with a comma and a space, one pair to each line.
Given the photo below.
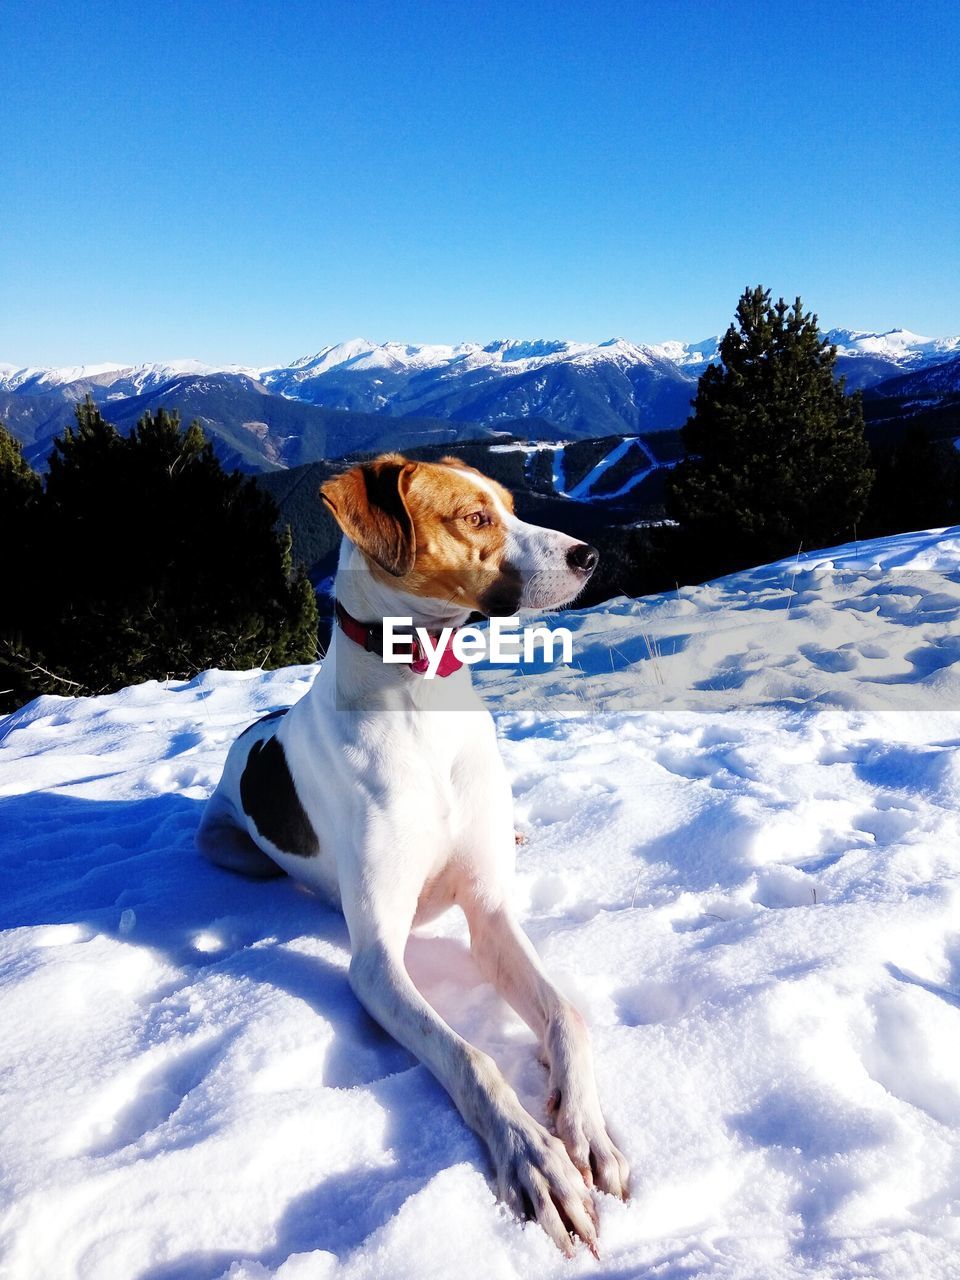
477, 518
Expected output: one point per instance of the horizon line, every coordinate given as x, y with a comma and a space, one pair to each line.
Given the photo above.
108, 366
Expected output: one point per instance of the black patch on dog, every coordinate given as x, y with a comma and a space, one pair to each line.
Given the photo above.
502, 598
269, 797
271, 715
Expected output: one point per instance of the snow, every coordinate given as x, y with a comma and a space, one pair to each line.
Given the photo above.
527, 446
899, 345
359, 358
14, 377
742, 814
413, 376
935, 549
693, 356
582, 491
131, 379
361, 355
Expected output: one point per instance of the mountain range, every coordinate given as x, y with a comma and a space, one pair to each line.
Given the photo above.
362, 395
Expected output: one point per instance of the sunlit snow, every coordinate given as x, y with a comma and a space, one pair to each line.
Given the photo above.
742, 812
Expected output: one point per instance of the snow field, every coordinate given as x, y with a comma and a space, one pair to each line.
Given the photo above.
747, 876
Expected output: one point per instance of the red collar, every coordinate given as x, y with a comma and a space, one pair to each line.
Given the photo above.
369, 636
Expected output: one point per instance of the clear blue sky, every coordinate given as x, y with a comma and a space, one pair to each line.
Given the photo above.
251, 181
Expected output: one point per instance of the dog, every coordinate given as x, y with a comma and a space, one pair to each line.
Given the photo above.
385, 792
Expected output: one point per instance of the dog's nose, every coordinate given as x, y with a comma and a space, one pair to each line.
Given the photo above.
583, 557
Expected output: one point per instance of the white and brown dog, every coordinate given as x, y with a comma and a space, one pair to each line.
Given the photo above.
385, 792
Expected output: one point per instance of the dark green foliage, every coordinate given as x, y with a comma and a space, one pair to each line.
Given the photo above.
20, 494
251, 430
539, 472
917, 485
634, 460
633, 562
150, 561
19, 484
580, 457
777, 452
888, 419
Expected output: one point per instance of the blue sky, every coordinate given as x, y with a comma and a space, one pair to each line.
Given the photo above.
251, 181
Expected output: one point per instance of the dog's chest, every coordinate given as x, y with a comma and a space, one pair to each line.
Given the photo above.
417, 794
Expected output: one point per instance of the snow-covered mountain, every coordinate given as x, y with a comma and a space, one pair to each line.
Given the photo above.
896, 344
116, 380
580, 386
401, 378
868, 359
581, 389
741, 810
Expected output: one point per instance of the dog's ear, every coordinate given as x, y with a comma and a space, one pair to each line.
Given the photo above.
369, 504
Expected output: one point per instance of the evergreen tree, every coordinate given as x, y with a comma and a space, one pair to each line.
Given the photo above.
776, 449
19, 483
299, 644
156, 563
20, 495
917, 485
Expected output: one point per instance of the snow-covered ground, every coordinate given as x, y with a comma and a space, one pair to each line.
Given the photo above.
743, 863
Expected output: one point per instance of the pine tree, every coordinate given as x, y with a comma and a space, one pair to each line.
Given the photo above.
299, 643
20, 491
19, 483
776, 454
151, 561
917, 484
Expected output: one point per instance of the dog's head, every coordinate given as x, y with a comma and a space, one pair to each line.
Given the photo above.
443, 531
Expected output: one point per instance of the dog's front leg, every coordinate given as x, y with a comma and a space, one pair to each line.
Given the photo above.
506, 957
532, 1167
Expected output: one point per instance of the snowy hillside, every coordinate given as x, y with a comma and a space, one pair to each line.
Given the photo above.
928, 383
503, 357
742, 862
118, 380
896, 344
402, 362
589, 389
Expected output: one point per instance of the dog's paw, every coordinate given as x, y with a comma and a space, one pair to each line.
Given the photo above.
536, 1179
589, 1146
